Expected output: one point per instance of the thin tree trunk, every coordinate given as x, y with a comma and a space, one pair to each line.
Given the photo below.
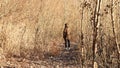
95, 23
81, 36
114, 34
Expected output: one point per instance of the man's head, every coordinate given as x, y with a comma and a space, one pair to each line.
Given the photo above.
66, 25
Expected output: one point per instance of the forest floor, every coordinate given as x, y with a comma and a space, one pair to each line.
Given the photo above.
72, 58
66, 59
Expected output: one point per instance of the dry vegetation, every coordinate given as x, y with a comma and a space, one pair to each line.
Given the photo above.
30, 29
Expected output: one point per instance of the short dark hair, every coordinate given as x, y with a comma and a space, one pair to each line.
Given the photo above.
66, 25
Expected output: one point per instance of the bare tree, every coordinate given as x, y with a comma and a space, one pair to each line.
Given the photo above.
95, 23
81, 36
113, 30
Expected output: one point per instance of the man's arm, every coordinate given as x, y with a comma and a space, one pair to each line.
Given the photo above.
68, 33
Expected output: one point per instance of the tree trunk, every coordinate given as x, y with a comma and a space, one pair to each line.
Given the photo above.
95, 23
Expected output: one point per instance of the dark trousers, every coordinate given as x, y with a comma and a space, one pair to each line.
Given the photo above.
67, 43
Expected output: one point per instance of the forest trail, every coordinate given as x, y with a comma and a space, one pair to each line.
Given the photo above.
72, 58
67, 58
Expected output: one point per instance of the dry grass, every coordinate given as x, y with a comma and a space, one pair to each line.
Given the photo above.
31, 28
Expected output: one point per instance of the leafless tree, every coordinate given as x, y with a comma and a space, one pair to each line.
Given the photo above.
95, 23
113, 30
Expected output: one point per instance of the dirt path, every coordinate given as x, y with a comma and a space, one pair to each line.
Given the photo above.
66, 59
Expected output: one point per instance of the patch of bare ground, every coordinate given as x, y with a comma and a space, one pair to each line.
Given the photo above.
65, 58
